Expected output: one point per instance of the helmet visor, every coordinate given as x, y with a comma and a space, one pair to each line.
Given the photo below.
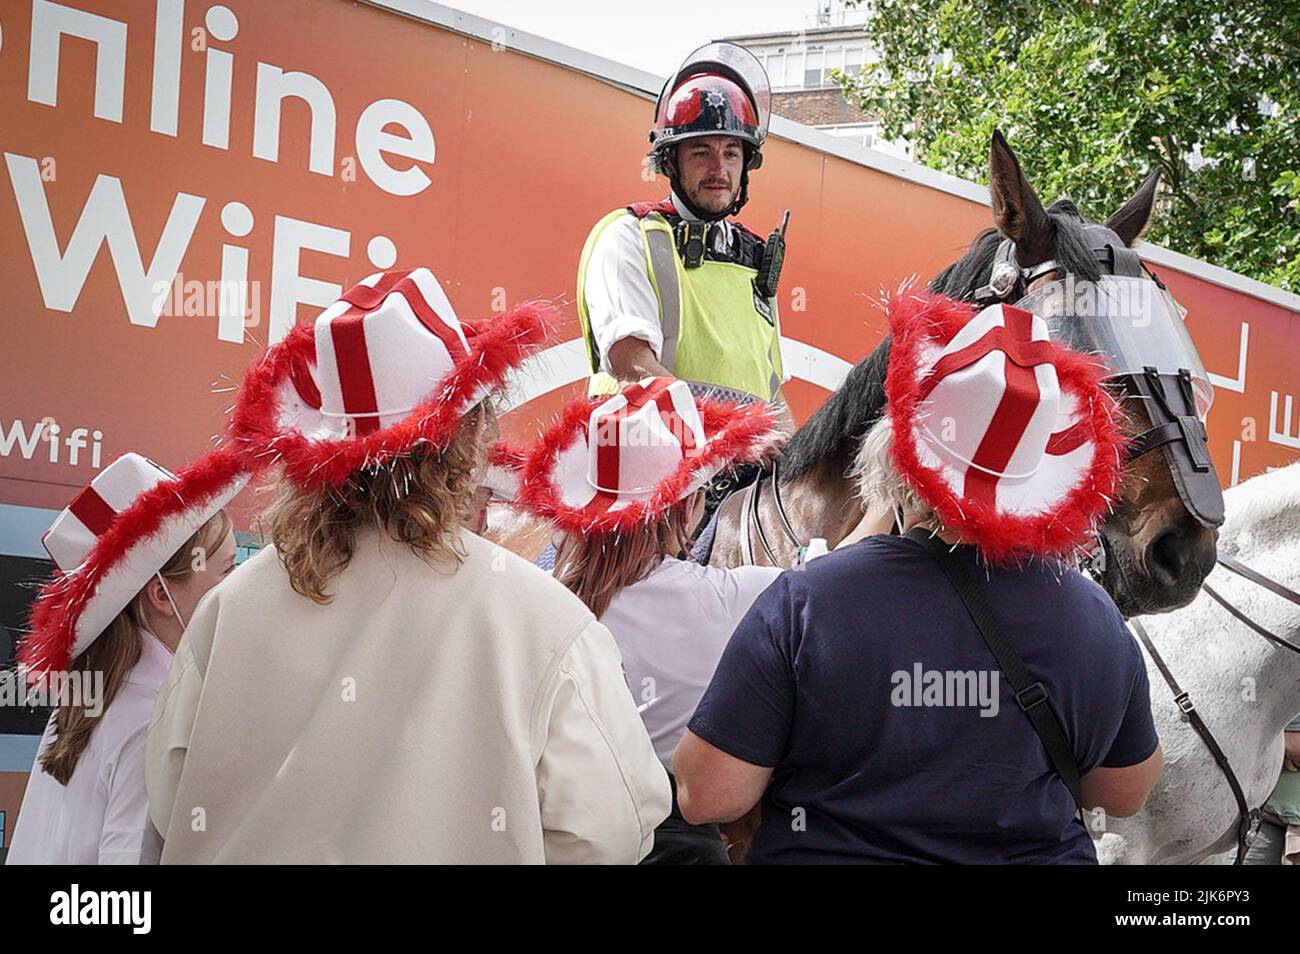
1132, 323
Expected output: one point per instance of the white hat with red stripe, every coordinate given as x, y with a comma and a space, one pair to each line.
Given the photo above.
610, 464
111, 540
385, 368
1009, 435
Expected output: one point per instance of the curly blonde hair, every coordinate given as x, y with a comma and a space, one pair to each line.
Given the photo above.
879, 482
417, 499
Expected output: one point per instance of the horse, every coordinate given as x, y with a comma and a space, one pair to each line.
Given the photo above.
1157, 552
1245, 687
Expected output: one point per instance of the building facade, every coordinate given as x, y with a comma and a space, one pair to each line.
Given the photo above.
803, 67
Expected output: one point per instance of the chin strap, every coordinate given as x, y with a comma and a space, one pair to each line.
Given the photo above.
168, 594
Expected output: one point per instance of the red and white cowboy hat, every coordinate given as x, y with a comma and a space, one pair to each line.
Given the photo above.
385, 368
1007, 434
611, 464
111, 540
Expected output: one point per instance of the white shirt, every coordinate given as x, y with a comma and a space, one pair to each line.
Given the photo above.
671, 628
102, 815
621, 301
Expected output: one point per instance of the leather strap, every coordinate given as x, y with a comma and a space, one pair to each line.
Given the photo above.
1030, 693
758, 524
780, 505
746, 538
1238, 614
1236, 566
1248, 818
1149, 440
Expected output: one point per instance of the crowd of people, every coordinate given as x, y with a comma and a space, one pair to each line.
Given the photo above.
382, 683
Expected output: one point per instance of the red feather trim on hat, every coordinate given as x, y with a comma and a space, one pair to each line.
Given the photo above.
914, 320
497, 347
740, 435
508, 455
53, 619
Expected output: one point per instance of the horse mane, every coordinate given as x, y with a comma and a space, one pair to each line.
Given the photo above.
838, 426
845, 416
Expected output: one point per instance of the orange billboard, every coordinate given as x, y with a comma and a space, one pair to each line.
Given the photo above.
183, 181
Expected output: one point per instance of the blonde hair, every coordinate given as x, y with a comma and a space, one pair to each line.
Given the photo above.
879, 482
595, 569
115, 651
417, 499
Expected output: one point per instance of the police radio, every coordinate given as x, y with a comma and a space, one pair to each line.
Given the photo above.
769, 267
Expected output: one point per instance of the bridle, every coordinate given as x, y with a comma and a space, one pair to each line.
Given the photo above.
1007, 278
1168, 396
1248, 818
1175, 428
750, 513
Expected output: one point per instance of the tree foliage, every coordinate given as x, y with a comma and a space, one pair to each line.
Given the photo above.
1092, 95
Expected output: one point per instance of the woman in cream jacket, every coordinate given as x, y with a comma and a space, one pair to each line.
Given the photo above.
381, 684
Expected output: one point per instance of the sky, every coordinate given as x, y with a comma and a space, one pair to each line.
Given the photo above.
653, 35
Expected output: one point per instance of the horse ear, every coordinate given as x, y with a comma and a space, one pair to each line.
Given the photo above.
1130, 219
1016, 210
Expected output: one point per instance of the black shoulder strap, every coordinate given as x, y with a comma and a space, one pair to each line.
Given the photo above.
1030, 694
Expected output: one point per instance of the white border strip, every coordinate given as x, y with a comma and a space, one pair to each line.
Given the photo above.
566, 363
550, 369
814, 365
21, 529
648, 85
17, 754
490, 31
842, 148
1217, 275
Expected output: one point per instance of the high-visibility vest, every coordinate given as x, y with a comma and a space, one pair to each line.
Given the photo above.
713, 321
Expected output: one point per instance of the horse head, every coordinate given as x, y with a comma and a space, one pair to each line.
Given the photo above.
1159, 543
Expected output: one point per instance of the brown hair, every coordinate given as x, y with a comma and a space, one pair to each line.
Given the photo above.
416, 499
114, 652
596, 568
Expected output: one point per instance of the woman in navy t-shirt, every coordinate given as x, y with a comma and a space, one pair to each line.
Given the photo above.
857, 697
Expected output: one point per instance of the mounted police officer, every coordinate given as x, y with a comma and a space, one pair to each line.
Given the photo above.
675, 287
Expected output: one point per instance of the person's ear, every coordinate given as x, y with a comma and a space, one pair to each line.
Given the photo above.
155, 598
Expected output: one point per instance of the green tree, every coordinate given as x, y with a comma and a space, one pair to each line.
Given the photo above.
1093, 94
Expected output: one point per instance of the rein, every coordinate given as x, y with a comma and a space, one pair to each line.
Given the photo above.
750, 511
1248, 818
